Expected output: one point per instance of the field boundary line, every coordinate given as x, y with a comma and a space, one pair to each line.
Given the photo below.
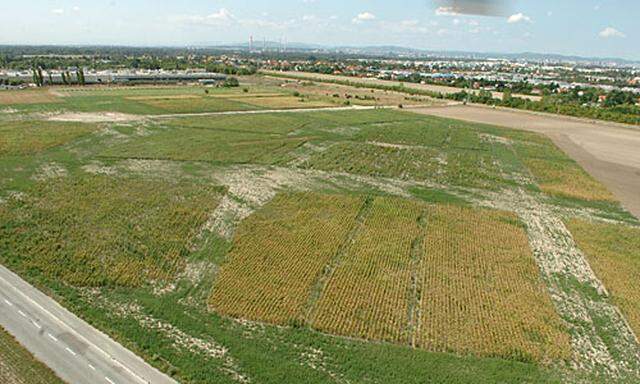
267, 111
415, 292
310, 310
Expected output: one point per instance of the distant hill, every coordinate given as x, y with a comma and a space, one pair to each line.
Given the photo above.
391, 50
388, 51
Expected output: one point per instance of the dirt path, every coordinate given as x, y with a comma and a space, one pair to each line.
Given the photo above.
609, 152
115, 117
263, 111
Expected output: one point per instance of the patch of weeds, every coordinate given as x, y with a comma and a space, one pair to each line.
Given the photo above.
436, 196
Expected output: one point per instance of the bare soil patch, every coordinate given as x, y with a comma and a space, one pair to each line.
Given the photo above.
95, 117
166, 97
27, 97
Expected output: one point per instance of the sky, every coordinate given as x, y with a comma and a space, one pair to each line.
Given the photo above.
594, 28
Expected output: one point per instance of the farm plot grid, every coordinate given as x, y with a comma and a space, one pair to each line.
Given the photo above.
441, 278
145, 100
481, 291
104, 231
379, 143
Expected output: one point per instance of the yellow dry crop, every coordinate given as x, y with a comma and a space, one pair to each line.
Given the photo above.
27, 97
100, 230
613, 250
481, 289
442, 278
279, 253
367, 295
569, 180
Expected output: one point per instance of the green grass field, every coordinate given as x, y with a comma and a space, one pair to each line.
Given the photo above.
373, 246
149, 100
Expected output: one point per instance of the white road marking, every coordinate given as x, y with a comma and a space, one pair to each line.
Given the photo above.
70, 351
36, 324
109, 380
52, 337
92, 367
139, 378
22, 313
8, 302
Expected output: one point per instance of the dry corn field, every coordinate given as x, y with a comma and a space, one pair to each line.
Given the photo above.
481, 291
568, 180
114, 231
367, 295
442, 278
279, 253
614, 254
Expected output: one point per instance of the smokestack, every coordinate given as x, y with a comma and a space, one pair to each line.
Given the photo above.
251, 43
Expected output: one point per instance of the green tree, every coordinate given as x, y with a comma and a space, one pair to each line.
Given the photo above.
231, 82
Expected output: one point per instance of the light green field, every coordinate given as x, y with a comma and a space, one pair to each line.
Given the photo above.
157, 100
377, 233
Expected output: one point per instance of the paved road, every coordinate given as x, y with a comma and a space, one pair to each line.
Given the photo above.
609, 152
75, 351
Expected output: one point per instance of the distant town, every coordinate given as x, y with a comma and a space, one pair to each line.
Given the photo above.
602, 89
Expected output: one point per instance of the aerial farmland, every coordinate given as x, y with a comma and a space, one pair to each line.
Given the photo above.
288, 231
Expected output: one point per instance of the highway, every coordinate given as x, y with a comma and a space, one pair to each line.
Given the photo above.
73, 349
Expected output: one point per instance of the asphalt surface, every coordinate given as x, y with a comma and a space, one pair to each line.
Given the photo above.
73, 349
610, 152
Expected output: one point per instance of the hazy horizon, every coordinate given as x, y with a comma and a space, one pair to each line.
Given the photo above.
604, 28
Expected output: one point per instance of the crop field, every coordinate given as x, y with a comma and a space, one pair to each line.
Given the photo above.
18, 366
557, 174
209, 145
481, 292
614, 253
25, 137
27, 97
352, 246
110, 232
356, 96
446, 279
278, 255
366, 296
431, 149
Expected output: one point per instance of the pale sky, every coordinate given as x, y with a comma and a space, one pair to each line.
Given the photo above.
575, 27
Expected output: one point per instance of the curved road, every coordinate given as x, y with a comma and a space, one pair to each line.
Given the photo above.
73, 349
